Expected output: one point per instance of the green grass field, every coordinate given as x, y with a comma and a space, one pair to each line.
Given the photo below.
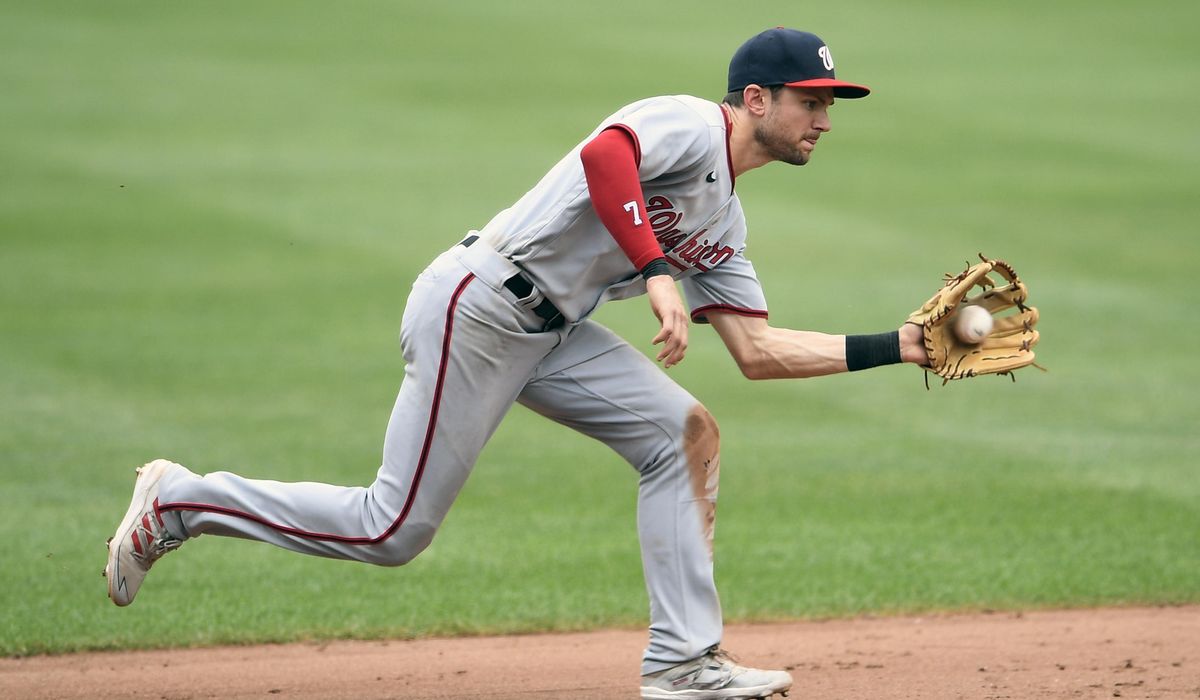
210, 215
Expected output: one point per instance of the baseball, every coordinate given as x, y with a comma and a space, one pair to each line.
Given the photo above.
972, 324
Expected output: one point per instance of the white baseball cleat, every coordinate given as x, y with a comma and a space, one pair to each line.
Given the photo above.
141, 538
714, 676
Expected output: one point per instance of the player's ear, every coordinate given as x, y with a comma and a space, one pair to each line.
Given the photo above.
755, 97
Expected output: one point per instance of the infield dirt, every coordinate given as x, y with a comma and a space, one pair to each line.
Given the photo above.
1107, 653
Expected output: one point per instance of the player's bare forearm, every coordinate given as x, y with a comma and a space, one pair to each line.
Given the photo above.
784, 353
765, 352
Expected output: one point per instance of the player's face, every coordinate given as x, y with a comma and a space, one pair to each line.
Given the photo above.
793, 122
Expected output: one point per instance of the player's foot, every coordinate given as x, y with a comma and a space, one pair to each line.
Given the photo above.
141, 538
714, 676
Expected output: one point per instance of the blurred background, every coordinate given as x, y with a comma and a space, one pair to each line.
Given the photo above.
211, 213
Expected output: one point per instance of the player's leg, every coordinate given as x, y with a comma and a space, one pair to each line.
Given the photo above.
468, 354
599, 385
464, 368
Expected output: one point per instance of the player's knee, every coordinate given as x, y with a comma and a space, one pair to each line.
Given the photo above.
692, 439
701, 449
701, 436
404, 545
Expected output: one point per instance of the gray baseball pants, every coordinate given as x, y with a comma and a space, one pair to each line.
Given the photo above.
471, 351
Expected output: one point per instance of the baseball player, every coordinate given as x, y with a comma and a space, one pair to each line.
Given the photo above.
645, 201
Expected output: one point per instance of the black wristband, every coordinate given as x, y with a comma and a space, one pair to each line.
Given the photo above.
866, 351
657, 266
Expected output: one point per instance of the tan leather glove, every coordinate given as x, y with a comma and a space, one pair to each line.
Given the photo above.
1009, 346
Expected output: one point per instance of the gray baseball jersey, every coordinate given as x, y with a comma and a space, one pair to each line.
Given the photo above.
475, 339
554, 234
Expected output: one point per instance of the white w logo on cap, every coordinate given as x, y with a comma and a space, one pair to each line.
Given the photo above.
826, 57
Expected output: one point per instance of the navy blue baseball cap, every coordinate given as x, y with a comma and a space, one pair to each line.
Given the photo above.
788, 57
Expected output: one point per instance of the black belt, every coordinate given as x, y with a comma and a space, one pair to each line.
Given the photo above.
522, 288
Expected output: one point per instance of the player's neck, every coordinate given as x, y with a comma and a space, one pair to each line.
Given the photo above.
745, 153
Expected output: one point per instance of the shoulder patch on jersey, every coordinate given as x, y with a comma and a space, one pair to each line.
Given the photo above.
711, 177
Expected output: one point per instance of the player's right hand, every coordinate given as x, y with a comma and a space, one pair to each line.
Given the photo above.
668, 307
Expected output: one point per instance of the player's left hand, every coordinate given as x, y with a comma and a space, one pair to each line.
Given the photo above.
912, 344
668, 307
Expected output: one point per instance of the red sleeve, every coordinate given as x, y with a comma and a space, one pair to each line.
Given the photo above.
610, 163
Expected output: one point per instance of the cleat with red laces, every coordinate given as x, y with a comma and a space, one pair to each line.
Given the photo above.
142, 538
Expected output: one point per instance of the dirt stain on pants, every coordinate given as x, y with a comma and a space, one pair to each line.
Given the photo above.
701, 444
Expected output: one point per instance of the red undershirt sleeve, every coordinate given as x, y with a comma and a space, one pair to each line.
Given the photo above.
610, 163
